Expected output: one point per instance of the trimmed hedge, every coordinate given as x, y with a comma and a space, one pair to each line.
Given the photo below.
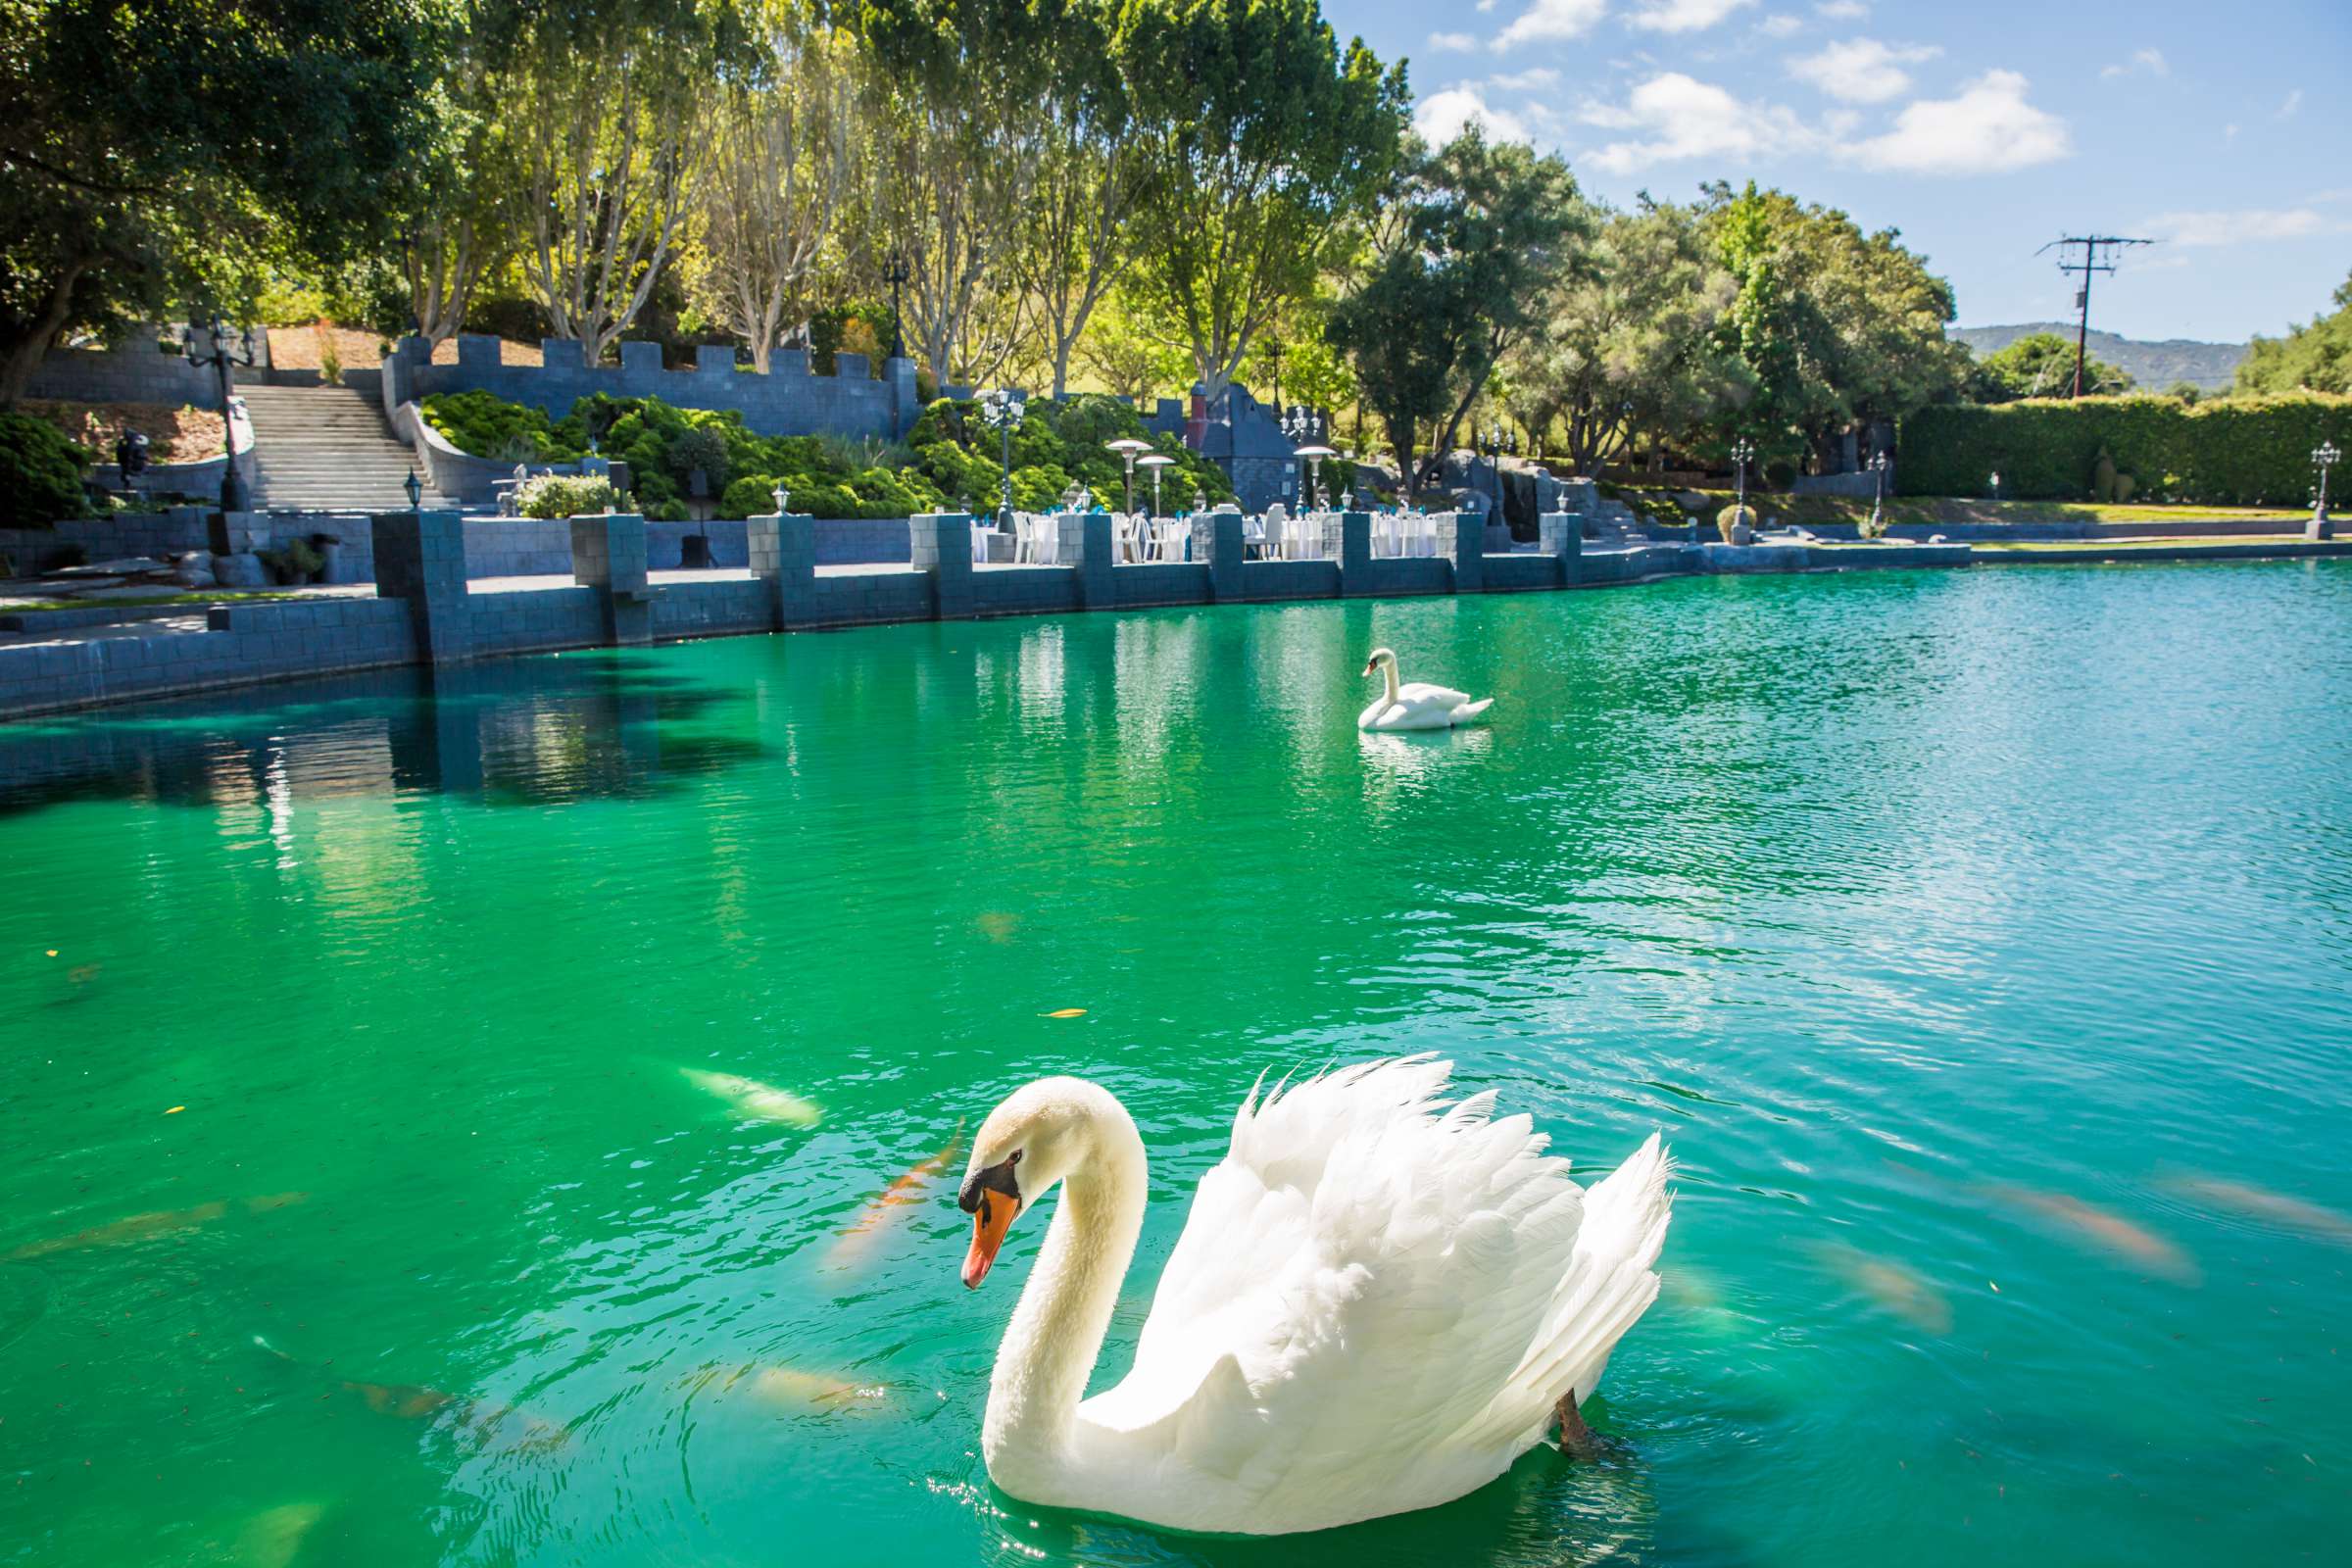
2234, 452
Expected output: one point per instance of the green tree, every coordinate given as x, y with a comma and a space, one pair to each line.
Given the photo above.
1263, 141
613, 114
1473, 235
153, 153
459, 209
2316, 357
949, 158
1630, 343
778, 170
1837, 326
1075, 241
2039, 365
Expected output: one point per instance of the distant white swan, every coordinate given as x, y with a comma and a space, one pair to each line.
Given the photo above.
1379, 1302
1415, 704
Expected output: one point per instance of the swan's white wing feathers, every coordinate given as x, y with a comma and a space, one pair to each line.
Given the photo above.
1356, 1281
1420, 693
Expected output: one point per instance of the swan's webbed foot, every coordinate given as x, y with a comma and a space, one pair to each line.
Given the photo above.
1575, 1438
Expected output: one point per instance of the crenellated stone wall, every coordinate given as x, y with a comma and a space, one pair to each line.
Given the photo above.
790, 399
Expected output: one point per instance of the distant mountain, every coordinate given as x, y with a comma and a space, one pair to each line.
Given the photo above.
2212, 367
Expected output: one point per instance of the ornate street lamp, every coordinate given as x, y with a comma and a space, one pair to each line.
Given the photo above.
416, 494
783, 501
1156, 462
1004, 408
211, 349
1743, 451
1878, 503
895, 273
2324, 455
1495, 464
1129, 449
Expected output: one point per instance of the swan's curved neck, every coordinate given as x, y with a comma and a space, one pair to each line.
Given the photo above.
1388, 672
1057, 1330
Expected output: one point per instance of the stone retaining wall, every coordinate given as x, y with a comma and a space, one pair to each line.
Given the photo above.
431, 612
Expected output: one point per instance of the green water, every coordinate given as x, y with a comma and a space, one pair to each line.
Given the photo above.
1916, 907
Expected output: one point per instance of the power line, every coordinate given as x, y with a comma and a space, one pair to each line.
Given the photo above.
2098, 256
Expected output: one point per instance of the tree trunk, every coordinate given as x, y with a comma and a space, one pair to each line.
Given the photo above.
22, 345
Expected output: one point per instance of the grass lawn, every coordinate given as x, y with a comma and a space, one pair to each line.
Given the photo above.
1932, 510
11, 607
2027, 546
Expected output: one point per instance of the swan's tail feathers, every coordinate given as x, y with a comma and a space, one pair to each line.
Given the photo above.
1468, 711
1609, 1284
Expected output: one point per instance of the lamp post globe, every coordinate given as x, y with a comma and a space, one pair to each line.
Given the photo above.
1129, 449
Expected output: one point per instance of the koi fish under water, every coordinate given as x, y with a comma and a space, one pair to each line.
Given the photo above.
163, 1222
753, 1098
2110, 1230
1897, 1288
873, 1220
483, 1420
2257, 1203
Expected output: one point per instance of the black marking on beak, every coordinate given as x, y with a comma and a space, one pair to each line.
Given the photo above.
997, 1178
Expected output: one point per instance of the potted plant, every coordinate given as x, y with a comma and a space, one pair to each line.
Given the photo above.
1737, 524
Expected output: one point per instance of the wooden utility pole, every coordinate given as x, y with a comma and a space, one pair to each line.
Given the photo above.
2097, 256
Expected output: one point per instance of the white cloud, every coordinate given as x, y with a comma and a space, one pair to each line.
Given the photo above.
1552, 18
1528, 80
1486, 5
1779, 26
1843, 10
1684, 118
2241, 226
2151, 61
1457, 43
2294, 101
1988, 128
1441, 116
1862, 70
1684, 16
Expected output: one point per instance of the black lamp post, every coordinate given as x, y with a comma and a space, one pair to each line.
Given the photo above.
211, 349
1004, 408
1743, 451
416, 494
896, 273
1495, 464
1878, 503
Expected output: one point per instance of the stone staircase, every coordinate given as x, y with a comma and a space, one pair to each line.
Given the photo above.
326, 449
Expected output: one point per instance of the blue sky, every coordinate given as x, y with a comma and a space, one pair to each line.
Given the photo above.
1980, 128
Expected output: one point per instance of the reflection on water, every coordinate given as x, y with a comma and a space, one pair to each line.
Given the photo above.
1996, 1010
527, 732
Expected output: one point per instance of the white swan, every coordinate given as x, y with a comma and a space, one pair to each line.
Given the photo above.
1415, 704
1377, 1305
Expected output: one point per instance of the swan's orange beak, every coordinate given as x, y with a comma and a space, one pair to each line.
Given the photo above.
1371, 665
990, 1221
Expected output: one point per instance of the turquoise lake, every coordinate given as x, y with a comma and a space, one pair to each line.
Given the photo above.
1981, 940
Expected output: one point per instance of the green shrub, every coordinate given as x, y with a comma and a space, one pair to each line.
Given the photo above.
700, 446
40, 473
484, 425
564, 495
2231, 452
1058, 443
1730, 517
